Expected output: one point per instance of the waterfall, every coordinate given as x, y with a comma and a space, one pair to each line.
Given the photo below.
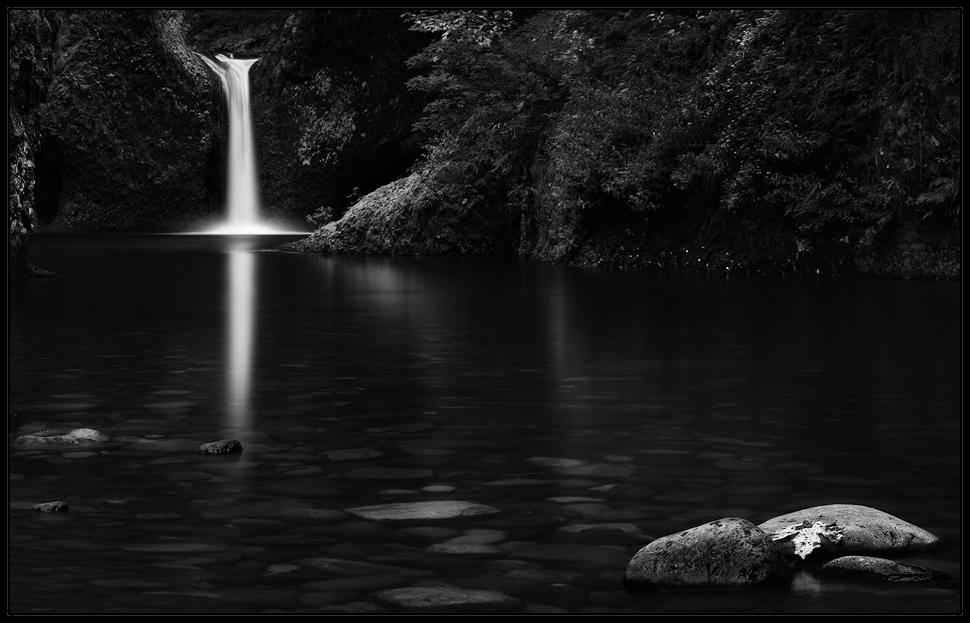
242, 180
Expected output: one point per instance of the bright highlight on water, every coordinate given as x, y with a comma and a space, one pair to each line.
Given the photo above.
242, 186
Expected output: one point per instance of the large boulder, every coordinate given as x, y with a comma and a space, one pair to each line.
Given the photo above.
410, 217
848, 529
727, 553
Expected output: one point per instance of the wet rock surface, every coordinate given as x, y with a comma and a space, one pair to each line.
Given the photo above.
437, 509
862, 530
74, 437
873, 569
224, 446
448, 599
727, 553
52, 507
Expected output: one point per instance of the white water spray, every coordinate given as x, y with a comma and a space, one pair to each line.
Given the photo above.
242, 185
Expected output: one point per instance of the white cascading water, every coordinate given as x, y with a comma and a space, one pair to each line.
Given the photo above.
242, 185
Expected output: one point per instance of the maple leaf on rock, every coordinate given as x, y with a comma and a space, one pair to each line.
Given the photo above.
807, 537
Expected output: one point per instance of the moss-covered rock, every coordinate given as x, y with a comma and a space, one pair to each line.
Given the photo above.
406, 218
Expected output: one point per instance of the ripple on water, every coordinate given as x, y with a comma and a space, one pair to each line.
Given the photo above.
269, 508
303, 471
62, 407
125, 583
175, 547
427, 451
351, 454
78, 455
388, 473
171, 601
159, 445
172, 406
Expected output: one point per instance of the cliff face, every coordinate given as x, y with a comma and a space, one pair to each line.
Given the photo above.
125, 129
128, 130
30, 67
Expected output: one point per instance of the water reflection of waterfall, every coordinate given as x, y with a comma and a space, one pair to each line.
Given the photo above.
240, 309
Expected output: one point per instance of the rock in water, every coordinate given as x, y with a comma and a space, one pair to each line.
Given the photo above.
224, 446
863, 529
727, 553
72, 438
433, 509
871, 569
444, 599
52, 507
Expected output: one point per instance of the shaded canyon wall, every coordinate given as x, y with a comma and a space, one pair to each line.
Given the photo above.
119, 127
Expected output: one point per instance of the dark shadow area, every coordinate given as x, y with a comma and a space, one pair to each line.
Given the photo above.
48, 185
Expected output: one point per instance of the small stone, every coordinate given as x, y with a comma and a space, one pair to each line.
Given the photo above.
224, 446
872, 569
52, 507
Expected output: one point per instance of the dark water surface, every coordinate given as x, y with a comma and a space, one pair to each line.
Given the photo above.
595, 410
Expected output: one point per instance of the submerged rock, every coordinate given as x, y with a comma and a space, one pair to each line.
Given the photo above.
436, 509
727, 553
448, 599
224, 446
861, 530
872, 569
50, 437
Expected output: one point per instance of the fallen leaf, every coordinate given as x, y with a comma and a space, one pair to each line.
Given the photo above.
807, 537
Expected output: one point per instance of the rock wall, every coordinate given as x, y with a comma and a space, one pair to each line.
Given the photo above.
126, 127
30, 67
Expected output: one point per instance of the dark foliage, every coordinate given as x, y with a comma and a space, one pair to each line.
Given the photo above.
791, 138
756, 140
